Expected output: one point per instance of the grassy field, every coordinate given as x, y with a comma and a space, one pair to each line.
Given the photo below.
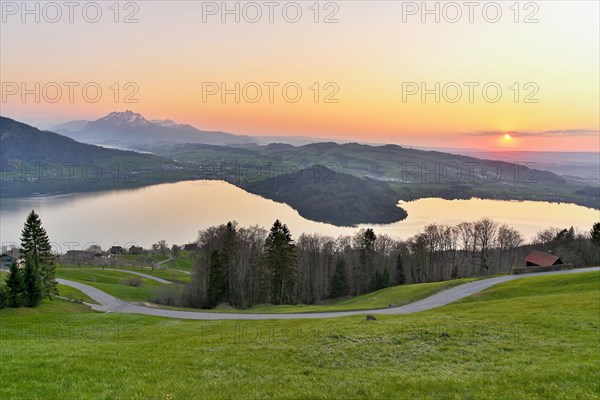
185, 261
112, 282
508, 342
173, 276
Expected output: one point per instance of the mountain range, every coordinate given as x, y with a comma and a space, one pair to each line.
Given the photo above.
130, 130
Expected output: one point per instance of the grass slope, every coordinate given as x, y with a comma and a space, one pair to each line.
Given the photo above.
173, 276
393, 296
508, 343
112, 282
185, 261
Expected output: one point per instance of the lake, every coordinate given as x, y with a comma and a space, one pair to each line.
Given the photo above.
176, 211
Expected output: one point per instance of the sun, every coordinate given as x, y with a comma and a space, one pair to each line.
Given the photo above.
507, 137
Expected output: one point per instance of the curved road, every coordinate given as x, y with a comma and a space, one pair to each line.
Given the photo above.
153, 278
109, 303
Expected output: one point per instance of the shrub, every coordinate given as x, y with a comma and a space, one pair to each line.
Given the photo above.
171, 295
135, 281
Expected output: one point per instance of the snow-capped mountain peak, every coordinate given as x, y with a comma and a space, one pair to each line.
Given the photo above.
125, 118
165, 122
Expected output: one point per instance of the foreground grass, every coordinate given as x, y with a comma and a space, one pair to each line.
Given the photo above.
508, 343
48, 310
112, 282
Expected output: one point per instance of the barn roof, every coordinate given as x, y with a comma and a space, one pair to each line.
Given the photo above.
541, 258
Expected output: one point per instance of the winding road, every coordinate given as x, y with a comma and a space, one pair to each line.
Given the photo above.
152, 278
109, 303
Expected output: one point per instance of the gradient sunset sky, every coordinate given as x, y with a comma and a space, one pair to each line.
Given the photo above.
369, 54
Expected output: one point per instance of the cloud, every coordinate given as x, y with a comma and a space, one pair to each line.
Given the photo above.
552, 133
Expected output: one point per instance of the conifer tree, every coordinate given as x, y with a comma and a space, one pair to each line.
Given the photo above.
36, 247
33, 293
399, 269
339, 283
14, 287
281, 262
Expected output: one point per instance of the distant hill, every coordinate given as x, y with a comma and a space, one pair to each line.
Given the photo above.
69, 126
23, 143
35, 161
131, 130
321, 194
411, 173
389, 163
581, 166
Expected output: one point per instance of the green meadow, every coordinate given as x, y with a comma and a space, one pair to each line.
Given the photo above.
115, 283
533, 338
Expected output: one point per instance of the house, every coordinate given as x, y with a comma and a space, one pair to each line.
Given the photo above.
135, 250
116, 250
191, 246
541, 259
6, 260
10, 257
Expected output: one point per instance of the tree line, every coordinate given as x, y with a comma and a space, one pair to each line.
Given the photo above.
31, 278
245, 266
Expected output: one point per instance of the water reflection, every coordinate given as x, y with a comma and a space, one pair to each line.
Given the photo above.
176, 211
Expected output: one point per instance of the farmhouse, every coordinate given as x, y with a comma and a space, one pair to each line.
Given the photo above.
10, 257
6, 260
135, 250
540, 259
116, 250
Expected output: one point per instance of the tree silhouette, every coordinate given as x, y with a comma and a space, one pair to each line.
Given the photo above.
36, 249
14, 287
281, 262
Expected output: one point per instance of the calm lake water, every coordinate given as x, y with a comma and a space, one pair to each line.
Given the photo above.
176, 211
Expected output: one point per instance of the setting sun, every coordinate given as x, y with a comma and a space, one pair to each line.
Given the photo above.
507, 137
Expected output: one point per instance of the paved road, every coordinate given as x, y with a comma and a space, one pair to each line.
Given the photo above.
112, 304
154, 278
158, 264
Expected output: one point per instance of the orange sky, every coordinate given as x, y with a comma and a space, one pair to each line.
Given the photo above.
371, 58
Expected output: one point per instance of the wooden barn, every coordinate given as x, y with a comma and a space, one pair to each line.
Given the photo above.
541, 259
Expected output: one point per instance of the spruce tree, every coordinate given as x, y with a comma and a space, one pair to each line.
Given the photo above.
14, 287
595, 234
339, 283
367, 274
281, 262
36, 247
399, 269
33, 284
217, 283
